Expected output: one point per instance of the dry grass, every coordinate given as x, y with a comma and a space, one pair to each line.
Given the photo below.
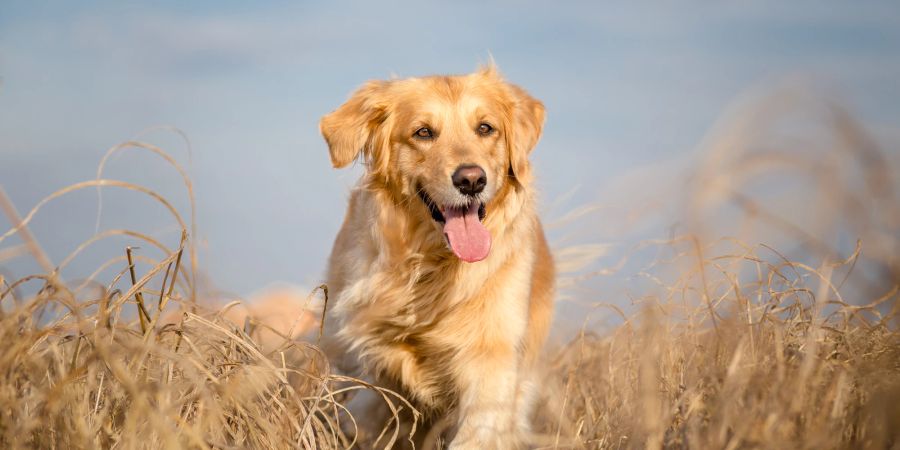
732, 346
738, 345
718, 362
137, 362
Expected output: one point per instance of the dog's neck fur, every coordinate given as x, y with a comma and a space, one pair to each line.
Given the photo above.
406, 290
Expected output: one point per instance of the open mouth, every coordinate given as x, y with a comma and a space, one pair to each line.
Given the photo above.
467, 237
435, 210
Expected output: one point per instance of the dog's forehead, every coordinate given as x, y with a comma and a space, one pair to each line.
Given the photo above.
439, 95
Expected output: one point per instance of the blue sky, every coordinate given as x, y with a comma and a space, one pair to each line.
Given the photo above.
626, 85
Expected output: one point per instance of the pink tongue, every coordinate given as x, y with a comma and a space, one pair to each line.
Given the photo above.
469, 239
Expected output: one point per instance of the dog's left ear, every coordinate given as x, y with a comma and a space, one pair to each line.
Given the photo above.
527, 124
349, 130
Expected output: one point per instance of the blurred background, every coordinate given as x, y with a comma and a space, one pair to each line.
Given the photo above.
660, 116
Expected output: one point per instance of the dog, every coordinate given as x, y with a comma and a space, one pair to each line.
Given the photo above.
441, 277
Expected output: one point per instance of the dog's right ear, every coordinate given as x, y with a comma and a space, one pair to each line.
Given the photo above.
348, 130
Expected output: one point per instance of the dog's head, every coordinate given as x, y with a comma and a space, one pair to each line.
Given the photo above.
452, 144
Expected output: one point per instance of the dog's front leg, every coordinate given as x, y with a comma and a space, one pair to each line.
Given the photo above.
487, 410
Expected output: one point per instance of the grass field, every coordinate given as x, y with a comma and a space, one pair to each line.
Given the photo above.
730, 343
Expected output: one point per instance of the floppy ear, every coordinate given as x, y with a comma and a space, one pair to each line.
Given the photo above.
527, 124
349, 130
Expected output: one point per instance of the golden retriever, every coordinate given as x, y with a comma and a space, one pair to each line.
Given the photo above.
441, 277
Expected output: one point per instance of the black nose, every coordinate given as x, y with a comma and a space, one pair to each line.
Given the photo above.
470, 180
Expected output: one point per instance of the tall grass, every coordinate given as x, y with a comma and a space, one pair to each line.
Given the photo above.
735, 343
713, 361
731, 344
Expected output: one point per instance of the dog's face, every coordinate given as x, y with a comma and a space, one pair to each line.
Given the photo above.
451, 144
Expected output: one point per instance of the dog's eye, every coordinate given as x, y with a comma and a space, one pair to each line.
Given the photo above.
485, 129
424, 133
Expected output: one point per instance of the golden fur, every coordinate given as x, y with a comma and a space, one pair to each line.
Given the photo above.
459, 339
